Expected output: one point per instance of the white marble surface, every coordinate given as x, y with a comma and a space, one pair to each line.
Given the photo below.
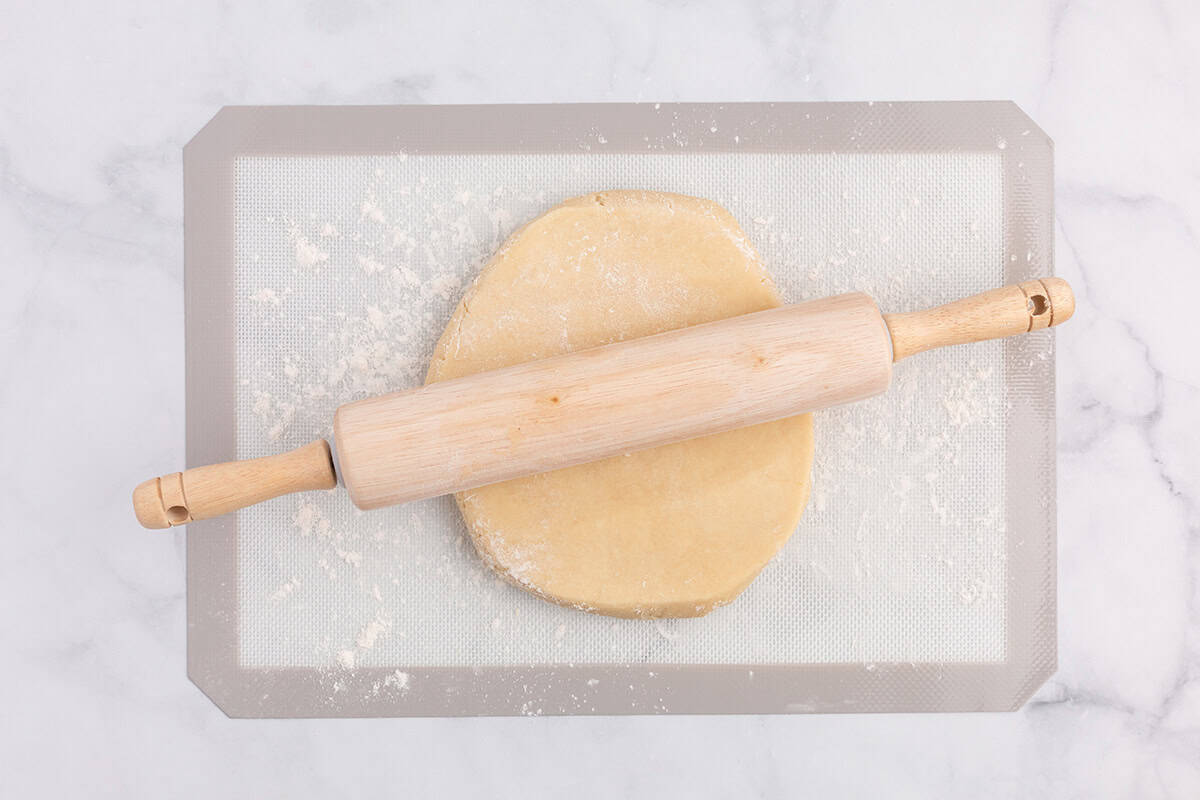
96, 101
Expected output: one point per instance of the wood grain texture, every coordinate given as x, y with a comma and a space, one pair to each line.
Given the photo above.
558, 412
211, 491
1007, 311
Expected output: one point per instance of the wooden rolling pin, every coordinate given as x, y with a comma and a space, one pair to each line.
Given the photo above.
545, 415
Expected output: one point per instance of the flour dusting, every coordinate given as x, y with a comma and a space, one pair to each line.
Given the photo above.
368, 635
307, 253
343, 294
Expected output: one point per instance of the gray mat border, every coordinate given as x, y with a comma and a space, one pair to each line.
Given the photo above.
1027, 164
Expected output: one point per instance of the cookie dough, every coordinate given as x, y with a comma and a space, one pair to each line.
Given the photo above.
669, 532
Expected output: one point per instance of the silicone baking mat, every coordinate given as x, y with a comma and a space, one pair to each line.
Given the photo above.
326, 248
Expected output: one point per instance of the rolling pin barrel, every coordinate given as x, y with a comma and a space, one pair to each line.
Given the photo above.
586, 406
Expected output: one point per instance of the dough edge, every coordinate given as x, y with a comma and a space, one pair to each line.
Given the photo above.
479, 533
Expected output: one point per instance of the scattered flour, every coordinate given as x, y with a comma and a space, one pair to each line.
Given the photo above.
372, 211
367, 636
351, 557
309, 519
266, 297
308, 254
398, 680
665, 629
412, 269
370, 265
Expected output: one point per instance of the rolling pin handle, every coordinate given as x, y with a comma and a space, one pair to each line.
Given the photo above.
1007, 311
204, 492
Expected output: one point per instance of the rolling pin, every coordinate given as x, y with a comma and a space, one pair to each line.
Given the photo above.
585, 406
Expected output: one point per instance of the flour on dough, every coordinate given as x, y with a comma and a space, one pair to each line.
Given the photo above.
669, 532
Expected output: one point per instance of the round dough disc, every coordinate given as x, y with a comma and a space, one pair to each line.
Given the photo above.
668, 532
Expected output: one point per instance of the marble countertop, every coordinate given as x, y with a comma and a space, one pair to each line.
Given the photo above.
96, 101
